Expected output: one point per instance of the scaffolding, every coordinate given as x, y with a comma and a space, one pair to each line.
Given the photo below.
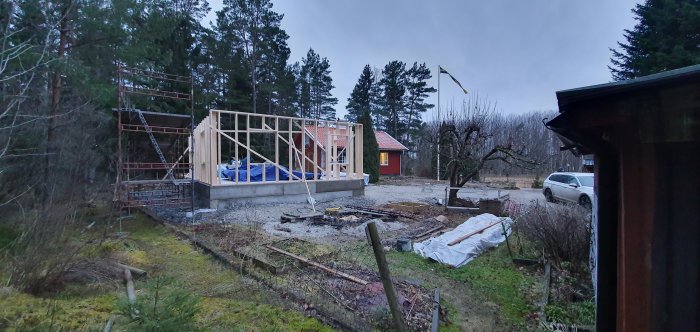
154, 146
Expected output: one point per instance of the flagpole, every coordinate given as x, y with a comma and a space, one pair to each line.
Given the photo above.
439, 125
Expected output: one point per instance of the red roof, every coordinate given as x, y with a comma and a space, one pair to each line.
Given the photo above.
384, 140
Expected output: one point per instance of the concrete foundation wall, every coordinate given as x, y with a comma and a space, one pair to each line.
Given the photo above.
219, 197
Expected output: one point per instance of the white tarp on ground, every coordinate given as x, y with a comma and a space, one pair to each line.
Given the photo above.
463, 252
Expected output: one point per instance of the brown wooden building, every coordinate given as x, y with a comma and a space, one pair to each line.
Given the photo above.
645, 135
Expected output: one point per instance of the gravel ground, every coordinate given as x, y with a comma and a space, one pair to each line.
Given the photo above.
267, 216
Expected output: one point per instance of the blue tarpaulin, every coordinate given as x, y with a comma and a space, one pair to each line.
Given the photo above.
256, 173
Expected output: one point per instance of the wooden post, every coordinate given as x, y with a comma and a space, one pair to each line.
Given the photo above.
316, 150
328, 151
289, 147
303, 148
359, 161
277, 149
235, 135
218, 148
264, 169
386, 277
349, 154
436, 311
247, 145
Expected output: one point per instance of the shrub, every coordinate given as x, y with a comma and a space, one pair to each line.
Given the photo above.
43, 251
562, 232
537, 182
164, 306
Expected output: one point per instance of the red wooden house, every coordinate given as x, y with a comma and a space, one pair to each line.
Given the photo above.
390, 150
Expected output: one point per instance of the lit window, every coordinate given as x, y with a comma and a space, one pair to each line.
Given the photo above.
384, 158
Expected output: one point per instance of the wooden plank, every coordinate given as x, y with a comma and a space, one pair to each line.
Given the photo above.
359, 137
316, 150
218, 149
462, 238
247, 147
277, 149
320, 266
235, 125
430, 231
132, 269
328, 152
289, 147
350, 155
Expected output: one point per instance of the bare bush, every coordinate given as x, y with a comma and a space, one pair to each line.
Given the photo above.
44, 252
563, 232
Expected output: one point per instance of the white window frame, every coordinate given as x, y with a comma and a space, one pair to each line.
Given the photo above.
387, 158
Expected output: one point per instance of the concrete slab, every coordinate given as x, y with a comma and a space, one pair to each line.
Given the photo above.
225, 196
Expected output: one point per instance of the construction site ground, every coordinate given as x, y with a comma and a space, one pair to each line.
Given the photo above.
247, 231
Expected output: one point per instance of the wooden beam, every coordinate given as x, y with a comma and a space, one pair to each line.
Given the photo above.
320, 266
462, 238
428, 232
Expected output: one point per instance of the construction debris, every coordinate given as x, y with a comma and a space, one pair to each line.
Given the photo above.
471, 238
320, 266
288, 217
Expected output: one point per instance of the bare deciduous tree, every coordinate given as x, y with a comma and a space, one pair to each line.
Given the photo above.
468, 141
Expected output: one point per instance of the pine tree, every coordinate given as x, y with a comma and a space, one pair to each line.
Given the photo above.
255, 33
359, 102
394, 86
316, 85
376, 97
666, 37
417, 90
370, 148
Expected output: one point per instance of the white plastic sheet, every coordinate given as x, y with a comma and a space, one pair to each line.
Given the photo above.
463, 252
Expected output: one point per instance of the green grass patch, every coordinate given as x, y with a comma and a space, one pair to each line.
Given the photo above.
578, 313
7, 236
225, 301
23, 312
492, 276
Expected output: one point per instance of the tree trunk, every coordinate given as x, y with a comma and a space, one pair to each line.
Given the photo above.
55, 101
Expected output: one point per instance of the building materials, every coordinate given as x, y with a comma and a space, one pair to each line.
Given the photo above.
288, 217
130, 293
133, 270
384, 273
320, 266
463, 252
110, 323
429, 232
468, 235
380, 212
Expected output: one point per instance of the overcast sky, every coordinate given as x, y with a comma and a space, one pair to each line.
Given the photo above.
517, 53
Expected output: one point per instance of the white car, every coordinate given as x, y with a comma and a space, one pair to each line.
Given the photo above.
569, 187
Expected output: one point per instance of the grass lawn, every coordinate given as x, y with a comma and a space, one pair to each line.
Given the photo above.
224, 300
491, 278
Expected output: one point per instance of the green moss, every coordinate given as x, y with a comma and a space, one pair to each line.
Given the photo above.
228, 302
218, 314
21, 312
